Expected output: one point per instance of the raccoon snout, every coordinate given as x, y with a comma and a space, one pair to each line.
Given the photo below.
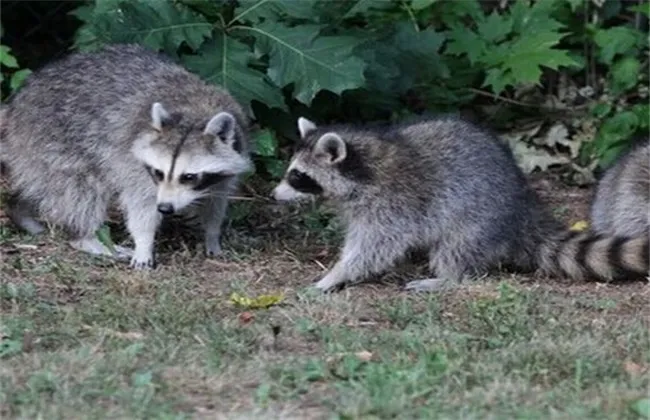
166, 208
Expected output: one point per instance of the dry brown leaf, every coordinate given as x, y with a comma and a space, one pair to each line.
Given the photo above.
634, 369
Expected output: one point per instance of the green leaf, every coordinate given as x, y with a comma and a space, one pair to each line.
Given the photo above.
363, 6
498, 79
641, 407
275, 167
255, 10
625, 74
464, 41
613, 131
104, 236
18, 78
311, 62
156, 24
536, 18
601, 109
616, 40
521, 61
402, 58
210, 9
6, 58
418, 5
224, 62
265, 143
494, 28
642, 111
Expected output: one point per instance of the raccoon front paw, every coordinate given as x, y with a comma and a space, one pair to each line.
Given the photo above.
123, 253
142, 264
212, 249
429, 285
330, 284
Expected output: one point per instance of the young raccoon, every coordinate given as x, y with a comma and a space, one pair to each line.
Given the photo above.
128, 124
445, 186
621, 204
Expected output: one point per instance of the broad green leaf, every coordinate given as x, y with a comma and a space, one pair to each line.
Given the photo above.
265, 143
6, 58
642, 111
208, 8
104, 236
311, 62
529, 20
494, 28
625, 73
498, 79
613, 132
363, 6
224, 62
601, 109
156, 24
254, 10
464, 41
616, 40
18, 78
419, 49
275, 167
525, 56
418, 5
400, 59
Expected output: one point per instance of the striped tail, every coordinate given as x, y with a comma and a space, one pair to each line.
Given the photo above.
588, 256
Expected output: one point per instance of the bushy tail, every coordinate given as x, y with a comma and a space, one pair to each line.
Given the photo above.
590, 256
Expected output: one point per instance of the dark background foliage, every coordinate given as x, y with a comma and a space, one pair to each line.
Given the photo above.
566, 81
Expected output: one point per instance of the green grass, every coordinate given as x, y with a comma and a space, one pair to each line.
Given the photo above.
88, 338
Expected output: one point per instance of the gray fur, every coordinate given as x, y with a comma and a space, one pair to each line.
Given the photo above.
621, 204
81, 132
441, 185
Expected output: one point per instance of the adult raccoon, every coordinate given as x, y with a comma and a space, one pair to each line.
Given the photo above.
446, 186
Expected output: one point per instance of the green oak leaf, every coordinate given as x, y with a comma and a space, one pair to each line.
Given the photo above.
224, 62
300, 56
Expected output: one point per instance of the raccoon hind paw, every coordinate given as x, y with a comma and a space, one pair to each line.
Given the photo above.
429, 285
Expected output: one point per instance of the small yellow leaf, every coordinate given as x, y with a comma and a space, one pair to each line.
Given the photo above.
263, 301
580, 226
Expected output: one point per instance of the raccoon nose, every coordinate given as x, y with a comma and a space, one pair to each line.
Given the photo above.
165, 208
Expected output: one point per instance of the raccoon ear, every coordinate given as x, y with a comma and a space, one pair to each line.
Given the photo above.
222, 125
332, 147
159, 116
305, 126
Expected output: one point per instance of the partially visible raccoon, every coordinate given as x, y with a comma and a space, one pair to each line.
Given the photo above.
127, 124
448, 187
621, 204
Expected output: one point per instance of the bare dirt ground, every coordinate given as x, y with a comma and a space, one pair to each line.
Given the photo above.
85, 337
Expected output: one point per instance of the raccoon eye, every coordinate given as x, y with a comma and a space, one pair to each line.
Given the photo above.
156, 174
188, 178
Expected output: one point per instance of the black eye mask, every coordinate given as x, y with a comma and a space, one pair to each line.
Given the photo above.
302, 182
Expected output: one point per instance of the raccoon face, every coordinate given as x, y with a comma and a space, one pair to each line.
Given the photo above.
324, 165
188, 161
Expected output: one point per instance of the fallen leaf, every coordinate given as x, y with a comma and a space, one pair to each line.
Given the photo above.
633, 369
262, 301
579, 226
246, 317
365, 356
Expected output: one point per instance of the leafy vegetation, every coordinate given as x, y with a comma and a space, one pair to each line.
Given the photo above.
359, 60
11, 76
